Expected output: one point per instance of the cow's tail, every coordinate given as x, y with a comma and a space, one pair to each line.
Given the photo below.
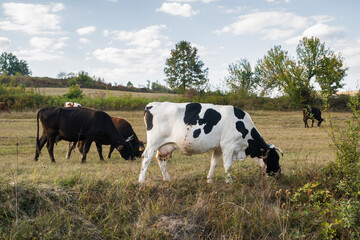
37, 133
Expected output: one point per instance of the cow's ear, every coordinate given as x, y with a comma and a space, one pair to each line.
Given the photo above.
120, 147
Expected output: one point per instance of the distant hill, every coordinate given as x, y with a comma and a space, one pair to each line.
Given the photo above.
37, 82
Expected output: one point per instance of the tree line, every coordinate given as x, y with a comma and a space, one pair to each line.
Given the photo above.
185, 72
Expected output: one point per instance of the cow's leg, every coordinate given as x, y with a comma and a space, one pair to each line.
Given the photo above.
148, 155
42, 142
86, 147
99, 149
227, 158
70, 148
80, 146
214, 161
162, 163
50, 147
111, 149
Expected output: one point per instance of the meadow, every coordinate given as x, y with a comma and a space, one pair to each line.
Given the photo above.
102, 200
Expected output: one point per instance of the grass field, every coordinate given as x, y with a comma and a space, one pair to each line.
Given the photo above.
102, 200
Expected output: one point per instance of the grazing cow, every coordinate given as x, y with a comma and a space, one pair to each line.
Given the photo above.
72, 104
312, 113
196, 128
126, 130
79, 124
3, 108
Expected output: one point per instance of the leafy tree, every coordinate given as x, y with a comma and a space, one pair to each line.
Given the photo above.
12, 66
129, 84
184, 69
83, 79
157, 87
278, 70
74, 92
296, 78
241, 77
321, 63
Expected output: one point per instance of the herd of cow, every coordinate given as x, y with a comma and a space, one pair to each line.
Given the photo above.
192, 128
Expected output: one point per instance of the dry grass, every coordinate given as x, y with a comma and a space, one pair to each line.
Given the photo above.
102, 93
103, 199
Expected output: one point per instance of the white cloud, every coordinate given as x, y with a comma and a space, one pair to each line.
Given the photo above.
146, 37
37, 55
145, 55
44, 49
273, 25
324, 32
84, 40
4, 44
86, 30
188, 1
177, 9
31, 18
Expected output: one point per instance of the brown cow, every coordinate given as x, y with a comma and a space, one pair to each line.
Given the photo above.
3, 108
126, 130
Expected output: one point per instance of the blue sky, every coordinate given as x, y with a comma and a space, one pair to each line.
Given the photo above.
129, 40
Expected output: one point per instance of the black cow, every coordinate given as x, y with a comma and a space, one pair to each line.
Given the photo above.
79, 124
312, 113
126, 130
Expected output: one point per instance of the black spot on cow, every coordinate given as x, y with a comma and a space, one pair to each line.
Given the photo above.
239, 113
192, 113
196, 133
148, 118
257, 145
211, 118
240, 126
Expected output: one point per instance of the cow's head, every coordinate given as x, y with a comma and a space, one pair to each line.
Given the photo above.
126, 149
271, 160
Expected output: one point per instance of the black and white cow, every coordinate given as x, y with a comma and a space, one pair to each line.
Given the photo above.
196, 128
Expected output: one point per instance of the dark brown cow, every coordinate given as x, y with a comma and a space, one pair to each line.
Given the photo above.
3, 108
126, 130
79, 124
312, 113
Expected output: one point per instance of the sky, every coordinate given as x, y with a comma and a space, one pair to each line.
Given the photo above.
129, 40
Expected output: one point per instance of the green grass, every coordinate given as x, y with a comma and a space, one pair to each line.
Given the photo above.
102, 200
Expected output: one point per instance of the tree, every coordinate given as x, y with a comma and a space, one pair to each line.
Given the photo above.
241, 77
129, 84
83, 79
321, 63
315, 64
184, 69
10, 64
278, 70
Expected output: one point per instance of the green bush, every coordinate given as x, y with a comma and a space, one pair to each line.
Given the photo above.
329, 207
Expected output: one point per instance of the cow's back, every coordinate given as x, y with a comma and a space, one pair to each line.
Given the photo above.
196, 128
